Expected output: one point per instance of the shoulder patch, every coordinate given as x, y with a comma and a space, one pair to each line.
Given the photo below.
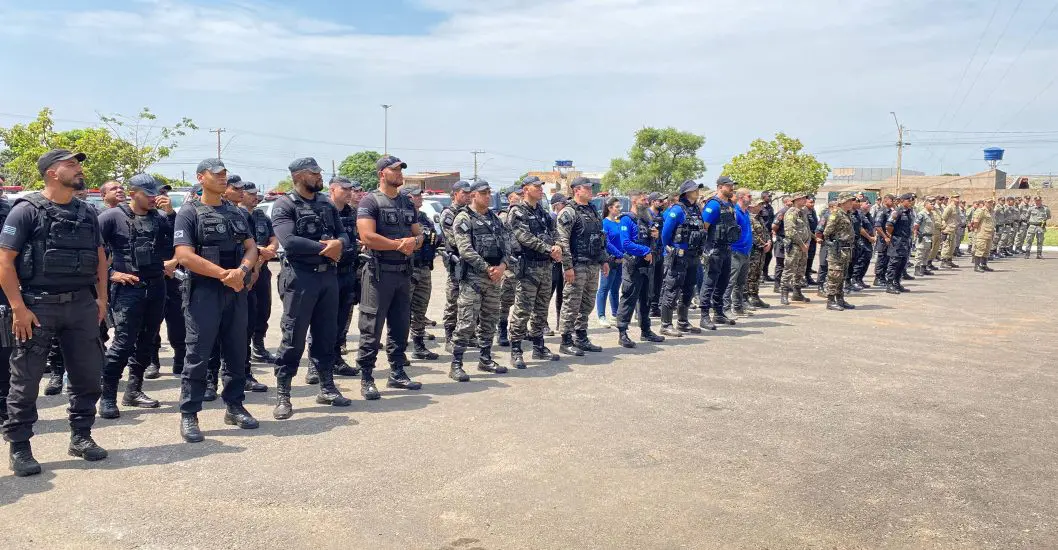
709, 209
9, 230
176, 234
463, 226
672, 214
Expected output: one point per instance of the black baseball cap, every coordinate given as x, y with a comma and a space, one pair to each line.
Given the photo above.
387, 161
558, 198
527, 181
214, 166
461, 185
249, 187
305, 163
479, 185
145, 183
907, 196
655, 196
580, 182
57, 155
346, 183
234, 178
724, 180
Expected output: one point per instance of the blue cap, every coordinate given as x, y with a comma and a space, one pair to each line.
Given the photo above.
689, 185
145, 183
580, 182
305, 163
387, 161
529, 180
214, 166
249, 187
57, 155
479, 185
346, 183
461, 185
411, 190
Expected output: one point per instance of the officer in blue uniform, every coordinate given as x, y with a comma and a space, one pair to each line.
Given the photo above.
639, 243
313, 240
898, 228
721, 231
140, 239
54, 272
214, 243
683, 236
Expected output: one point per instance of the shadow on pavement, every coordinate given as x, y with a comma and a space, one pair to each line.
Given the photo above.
305, 425
12, 488
150, 456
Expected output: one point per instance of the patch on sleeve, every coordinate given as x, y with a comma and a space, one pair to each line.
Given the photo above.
176, 234
463, 226
9, 230
672, 214
709, 209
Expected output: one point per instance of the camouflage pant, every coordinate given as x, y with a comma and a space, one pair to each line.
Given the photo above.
532, 296
479, 310
1034, 232
934, 250
508, 289
448, 320
925, 245
1019, 234
578, 298
837, 263
793, 273
756, 268
947, 251
983, 243
1008, 238
421, 287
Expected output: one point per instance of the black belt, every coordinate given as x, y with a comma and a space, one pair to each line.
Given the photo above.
537, 263
318, 268
346, 269
36, 298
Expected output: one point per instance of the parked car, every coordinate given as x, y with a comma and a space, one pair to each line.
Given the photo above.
432, 208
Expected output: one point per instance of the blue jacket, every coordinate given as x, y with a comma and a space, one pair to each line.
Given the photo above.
629, 236
745, 244
613, 238
673, 218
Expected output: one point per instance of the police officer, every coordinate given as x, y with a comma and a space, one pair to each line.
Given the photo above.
881, 243
640, 243
898, 229
261, 293
140, 240
683, 236
534, 230
924, 230
460, 195
778, 231
838, 236
813, 223
767, 217
313, 239
7, 338
484, 252
797, 237
389, 230
583, 243
422, 275
53, 271
558, 278
721, 231
214, 243
174, 303
657, 215
508, 288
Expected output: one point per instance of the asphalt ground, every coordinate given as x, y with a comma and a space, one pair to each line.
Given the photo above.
926, 420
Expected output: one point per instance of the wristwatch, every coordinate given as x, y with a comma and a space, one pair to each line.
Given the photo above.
244, 269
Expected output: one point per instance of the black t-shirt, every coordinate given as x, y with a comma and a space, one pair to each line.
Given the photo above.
116, 231
284, 221
185, 229
20, 223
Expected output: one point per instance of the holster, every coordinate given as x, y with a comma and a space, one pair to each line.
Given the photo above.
7, 337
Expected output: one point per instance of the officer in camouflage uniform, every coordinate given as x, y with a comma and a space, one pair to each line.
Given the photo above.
1037, 227
460, 199
421, 276
761, 246
838, 239
938, 224
1013, 217
983, 226
583, 245
924, 230
484, 252
798, 234
964, 218
1023, 224
999, 217
533, 229
508, 288
778, 231
950, 228
824, 271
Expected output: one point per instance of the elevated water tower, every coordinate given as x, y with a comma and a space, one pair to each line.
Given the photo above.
993, 156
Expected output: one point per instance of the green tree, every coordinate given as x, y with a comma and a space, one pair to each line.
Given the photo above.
360, 167
659, 160
777, 165
284, 185
147, 142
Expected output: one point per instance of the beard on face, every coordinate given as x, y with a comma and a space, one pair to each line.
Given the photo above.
76, 182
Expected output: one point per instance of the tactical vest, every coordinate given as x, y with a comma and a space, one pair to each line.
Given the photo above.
642, 229
726, 230
692, 231
314, 221
351, 252
262, 233
780, 223
902, 225
5, 209
395, 218
448, 216
428, 251
587, 240
142, 253
62, 252
542, 225
220, 233
486, 237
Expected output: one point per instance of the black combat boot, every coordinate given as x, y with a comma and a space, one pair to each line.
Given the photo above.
455, 371
134, 396
448, 338
367, 386
399, 379
540, 351
501, 335
796, 296
843, 303
568, 347
284, 409
683, 320
54, 386
666, 324
237, 415
329, 394
821, 290
784, 298
647, 335
984, 265
83, 446
583, 343
810, 281
892, 289
832, 304
108, 401
486, 364
930, 266
153, 369
755, 301
623, 338
720, 319
517, 361
907, 276
260, 353
211, 388
857, 286
419, 350
21, 460
879, 283
252, 385
977, 265
312, 376
847, 286
189, 428
655, 311
705, 322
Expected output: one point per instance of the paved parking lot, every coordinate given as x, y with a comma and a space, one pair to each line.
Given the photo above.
924, 420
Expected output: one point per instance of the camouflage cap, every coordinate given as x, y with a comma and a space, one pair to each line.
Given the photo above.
845, 197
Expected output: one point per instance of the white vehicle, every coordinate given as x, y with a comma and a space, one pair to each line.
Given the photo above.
433, 209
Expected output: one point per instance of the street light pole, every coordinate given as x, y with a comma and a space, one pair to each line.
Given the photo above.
899, 151
385, 145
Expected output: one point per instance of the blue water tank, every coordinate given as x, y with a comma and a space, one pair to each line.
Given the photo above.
993, 153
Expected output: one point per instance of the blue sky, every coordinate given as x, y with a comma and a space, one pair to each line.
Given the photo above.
534, 81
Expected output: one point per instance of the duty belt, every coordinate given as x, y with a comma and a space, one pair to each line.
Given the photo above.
536, 263
346, 269
318, 268
37, 298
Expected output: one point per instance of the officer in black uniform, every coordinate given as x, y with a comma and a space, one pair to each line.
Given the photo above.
54, 272
139, 238
683, 235
313, 240
721, 231
7, 338
898, 227
881, 243
342, 191
261, 293
386, 223
174, 302
859, 222
657, 215
767, 217
865, 239
813, 223
640, 242
214, 243
256, 288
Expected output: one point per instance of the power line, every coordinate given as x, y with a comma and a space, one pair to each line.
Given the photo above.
966, 69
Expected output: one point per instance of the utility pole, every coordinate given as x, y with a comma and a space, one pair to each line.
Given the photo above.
476, 153
385, 135
218, 131
334, 172
183, 180
899, 151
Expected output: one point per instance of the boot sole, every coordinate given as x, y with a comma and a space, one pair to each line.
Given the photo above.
50, 391
154, 405
192, 439
460, 379
425, 357
343, 402
79, 454
152, 375
277, 416
27, 473
110, 416
232, 422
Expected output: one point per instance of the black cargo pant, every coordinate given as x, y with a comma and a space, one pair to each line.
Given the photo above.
310, 302
262, 297
137, 311
637, 280
656, 279
348, 296
717, 277
73, 318
812, 256
174, 323
897, 254
213, 313
881, 262
862, 258
385, 300
681, 275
